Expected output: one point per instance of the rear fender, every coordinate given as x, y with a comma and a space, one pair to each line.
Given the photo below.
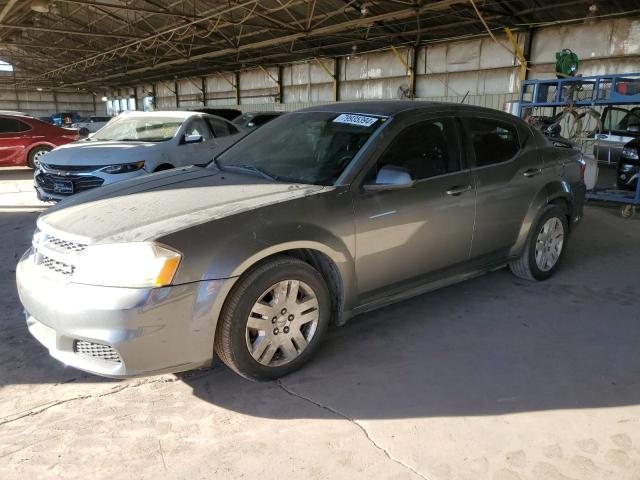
551, 192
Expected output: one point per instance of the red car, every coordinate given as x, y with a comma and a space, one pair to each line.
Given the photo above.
24, 140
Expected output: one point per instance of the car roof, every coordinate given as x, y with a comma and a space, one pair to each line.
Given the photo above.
394, 107
269, 112
163, 113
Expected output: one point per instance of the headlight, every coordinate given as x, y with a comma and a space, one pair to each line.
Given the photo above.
630, 153
123, 168
138, 265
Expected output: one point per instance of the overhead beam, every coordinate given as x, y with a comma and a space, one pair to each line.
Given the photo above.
70, 32
7, 8
127, 8
396, 15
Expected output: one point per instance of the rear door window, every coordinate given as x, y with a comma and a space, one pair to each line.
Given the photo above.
493, 141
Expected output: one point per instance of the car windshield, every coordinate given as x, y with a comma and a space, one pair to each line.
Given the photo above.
140, 129
306, 147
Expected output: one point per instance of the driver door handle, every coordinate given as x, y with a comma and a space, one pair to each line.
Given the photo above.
532, 172
458, 190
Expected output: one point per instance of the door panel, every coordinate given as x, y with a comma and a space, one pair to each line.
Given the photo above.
202, 152
11, 148
403, 235
504, 190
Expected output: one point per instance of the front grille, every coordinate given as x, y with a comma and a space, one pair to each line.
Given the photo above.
72, 168
80, 182
56, 266
65, 245
97, 351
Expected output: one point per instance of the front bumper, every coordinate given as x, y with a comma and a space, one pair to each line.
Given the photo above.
45, 180
144, 331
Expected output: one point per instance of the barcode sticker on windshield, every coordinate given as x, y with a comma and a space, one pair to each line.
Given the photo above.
360, 120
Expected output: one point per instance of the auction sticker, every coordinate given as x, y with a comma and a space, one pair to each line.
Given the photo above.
351, 119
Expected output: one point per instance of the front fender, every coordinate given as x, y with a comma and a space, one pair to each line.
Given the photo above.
227, 247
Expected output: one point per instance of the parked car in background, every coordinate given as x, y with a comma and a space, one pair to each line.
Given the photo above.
317, 216
65, 118
89, 125
628, 169
133, 144
25, 140
250, 120
226, 113
619, 126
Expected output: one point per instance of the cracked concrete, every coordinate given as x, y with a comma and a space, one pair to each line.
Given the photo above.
495, 378
366, 433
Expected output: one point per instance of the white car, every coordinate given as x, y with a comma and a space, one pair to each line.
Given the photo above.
89, 125
133, 144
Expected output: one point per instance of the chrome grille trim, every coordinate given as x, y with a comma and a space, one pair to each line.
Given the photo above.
97, 351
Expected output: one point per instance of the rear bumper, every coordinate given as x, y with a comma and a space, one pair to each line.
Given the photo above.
143, 331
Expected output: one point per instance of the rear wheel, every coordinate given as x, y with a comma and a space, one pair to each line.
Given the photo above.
33, 160
544, 248
274, 319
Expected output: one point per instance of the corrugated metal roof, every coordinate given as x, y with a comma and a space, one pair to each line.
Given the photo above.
118, 42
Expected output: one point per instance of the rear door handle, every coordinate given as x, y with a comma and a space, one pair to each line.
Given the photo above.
532, 172
458, 190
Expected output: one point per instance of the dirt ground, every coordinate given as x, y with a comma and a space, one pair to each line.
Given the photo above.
495, 378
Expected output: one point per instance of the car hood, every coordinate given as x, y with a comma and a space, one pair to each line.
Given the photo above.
149, 207
101, 153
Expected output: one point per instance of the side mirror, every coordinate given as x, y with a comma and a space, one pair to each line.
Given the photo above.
391, 178
192, 138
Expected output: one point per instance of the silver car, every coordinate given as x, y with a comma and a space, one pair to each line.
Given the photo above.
318, 216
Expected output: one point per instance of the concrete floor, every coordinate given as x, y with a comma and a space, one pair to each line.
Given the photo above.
495, 378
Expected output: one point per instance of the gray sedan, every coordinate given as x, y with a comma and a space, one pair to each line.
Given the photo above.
316, 217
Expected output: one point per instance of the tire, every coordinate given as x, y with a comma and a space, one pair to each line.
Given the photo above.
569, 121
33, 160
84, 132
527, 266
270, 344
628, 211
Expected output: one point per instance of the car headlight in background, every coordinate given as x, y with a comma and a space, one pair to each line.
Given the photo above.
136, 265
630, 153
123, 168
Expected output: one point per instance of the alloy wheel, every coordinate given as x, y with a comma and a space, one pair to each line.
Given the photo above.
38, 156
282, 323
549, 244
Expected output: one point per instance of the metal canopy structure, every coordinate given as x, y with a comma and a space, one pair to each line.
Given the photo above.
123, 42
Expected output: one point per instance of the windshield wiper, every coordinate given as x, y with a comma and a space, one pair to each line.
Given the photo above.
249, 168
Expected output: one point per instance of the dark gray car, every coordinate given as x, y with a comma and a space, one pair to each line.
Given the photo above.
318, 216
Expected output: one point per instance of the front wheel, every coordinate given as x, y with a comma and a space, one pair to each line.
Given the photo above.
35, 155
545, 246
274, 319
